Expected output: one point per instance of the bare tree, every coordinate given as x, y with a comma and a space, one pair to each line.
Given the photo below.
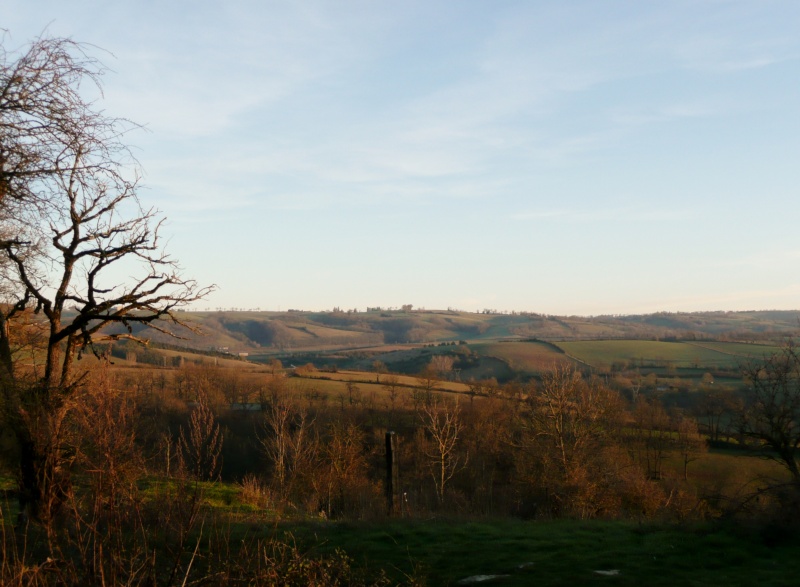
391, 384
573, 415
636, 386
379, 367
287, 441
443, 425
690, 443
568, 432
69, 212
200, 447
341, 479
353, 393
713, 410
442, 365
653, 436
70, 225
426, 383
771, 411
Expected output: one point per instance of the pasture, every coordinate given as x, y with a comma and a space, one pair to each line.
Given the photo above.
646, 353
523, 357
376, 381
739, 349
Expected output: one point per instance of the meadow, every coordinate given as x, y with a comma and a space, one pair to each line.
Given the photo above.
648, 354
524, 358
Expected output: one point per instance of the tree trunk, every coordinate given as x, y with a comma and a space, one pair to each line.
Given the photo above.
43, 478
6, 360
37, 416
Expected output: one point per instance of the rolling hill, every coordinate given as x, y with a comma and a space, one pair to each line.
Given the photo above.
280, 332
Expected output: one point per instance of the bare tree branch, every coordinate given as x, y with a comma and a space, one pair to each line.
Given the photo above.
76, 245
64, 170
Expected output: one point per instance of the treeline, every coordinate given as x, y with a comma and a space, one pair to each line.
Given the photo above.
140, 450
568, 445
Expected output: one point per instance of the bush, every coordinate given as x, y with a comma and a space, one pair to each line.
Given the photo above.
254, 492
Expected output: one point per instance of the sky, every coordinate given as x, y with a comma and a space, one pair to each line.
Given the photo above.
574, 158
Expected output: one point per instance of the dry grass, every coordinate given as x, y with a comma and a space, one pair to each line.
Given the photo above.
369, 380
529, 357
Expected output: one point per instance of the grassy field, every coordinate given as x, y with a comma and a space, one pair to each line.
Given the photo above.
445, 551
369, 381
635, 353
524, 357
729, 472
562, 552
739, 349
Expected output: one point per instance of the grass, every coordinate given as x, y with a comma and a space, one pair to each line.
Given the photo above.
7, 483
218, 497
543, 553
367, 381
739, 349
650, 353
526, 357
562, 552
729, 474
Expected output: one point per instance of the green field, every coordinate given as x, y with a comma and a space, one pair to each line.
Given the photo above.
562, 552
739, 349
646, 353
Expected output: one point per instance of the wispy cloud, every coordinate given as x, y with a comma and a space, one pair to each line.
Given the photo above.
628, 214
497, 118
768, 259
234, 60
638, 116
545, 215
731, 37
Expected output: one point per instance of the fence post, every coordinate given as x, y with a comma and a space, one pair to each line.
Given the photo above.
392, 474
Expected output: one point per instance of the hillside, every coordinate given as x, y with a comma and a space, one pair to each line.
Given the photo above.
266, 333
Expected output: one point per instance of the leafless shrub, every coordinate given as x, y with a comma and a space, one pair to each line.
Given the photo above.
200, 446
341, 480
254, 492
443, 424
288, 441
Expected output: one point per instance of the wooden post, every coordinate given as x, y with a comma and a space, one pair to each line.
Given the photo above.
392, 474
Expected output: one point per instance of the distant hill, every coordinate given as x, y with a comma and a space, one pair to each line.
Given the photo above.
264, 333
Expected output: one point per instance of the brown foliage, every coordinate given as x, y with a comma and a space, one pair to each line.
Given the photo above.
341, 481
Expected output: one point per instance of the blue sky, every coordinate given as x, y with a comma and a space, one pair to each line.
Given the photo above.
582, 157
